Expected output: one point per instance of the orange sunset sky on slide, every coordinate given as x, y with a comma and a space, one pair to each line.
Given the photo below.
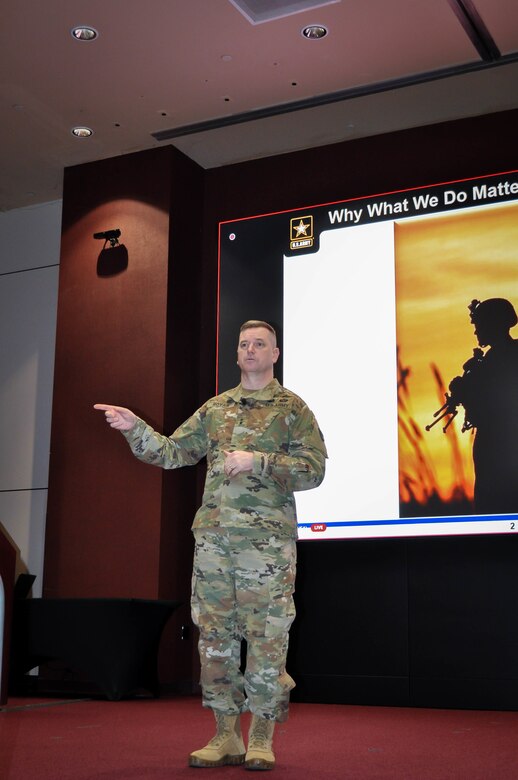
442, 264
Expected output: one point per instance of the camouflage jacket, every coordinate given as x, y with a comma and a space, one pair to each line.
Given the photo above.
274, 424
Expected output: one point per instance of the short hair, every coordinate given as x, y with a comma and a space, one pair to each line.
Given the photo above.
259, 324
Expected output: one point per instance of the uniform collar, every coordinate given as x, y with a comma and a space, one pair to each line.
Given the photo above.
264, 394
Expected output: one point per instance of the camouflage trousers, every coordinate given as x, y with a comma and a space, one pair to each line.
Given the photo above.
242, 588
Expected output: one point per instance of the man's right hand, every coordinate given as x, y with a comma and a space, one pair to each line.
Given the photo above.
118, 417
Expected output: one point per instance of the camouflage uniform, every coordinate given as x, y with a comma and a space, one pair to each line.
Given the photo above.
245, 532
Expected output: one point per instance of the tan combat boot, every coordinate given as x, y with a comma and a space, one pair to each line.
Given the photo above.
226, 747
259, 754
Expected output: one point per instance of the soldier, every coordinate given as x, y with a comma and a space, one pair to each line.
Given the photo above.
489, 393
262, 443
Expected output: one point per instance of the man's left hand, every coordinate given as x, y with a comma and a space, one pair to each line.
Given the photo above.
237, 462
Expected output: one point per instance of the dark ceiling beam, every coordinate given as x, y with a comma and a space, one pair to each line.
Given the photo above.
475, 29
330, 97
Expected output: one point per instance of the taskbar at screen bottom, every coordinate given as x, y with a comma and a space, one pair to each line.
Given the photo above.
412, 526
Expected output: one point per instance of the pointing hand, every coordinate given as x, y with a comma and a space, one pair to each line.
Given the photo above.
118, 417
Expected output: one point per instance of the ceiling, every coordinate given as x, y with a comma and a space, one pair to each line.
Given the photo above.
199, 75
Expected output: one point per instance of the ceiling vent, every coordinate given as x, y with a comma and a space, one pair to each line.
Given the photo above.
259, 11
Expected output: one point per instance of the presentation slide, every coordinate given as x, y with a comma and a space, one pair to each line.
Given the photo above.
395, 315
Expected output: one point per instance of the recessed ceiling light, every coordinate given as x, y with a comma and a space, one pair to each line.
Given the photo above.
84, 33
314, 32
82, 132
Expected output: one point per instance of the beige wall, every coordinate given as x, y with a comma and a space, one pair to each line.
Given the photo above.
29, 265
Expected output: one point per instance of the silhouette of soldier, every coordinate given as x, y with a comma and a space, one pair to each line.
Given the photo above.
488, 390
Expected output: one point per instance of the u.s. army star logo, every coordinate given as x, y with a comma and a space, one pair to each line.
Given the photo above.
301, 232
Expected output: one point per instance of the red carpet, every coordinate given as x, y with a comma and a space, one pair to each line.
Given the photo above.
53, 740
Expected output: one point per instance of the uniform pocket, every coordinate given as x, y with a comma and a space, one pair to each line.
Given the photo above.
281, 585
277, 625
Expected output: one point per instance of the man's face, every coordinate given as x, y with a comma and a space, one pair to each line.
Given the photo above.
256, 351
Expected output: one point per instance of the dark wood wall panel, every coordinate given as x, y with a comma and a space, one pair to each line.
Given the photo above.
102, 534
116, 527
103, 523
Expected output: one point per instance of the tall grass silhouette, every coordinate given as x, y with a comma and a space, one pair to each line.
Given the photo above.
421, 492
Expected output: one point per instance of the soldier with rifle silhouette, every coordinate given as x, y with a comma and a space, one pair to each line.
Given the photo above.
488, 391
